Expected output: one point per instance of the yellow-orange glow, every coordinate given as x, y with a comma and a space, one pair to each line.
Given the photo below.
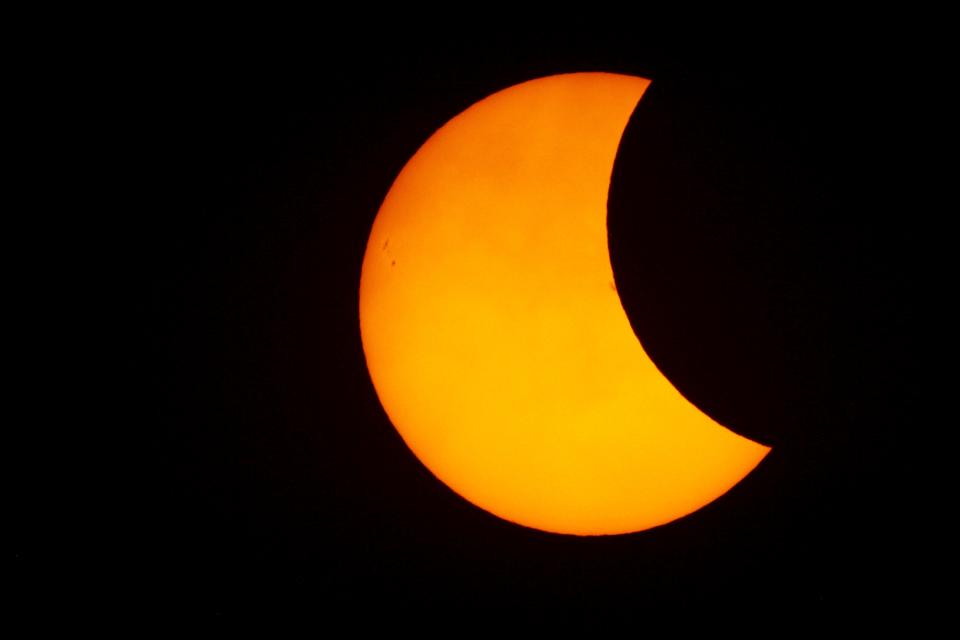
494, 334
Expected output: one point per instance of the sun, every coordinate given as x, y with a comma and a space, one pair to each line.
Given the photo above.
494, 335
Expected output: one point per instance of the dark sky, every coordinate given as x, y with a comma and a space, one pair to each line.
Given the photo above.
774, 287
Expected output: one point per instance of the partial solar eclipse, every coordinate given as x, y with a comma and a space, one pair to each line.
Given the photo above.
494, 334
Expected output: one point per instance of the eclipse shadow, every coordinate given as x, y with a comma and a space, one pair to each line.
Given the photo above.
738, 266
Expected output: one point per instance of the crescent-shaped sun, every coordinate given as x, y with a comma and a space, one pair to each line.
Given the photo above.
494, 335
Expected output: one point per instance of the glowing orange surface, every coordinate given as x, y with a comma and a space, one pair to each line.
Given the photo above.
494, 335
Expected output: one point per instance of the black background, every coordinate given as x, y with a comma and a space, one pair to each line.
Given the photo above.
759, 251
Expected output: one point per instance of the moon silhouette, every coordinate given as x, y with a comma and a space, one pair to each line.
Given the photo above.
495, 337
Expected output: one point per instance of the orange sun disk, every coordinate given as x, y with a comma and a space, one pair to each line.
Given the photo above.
494, 335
